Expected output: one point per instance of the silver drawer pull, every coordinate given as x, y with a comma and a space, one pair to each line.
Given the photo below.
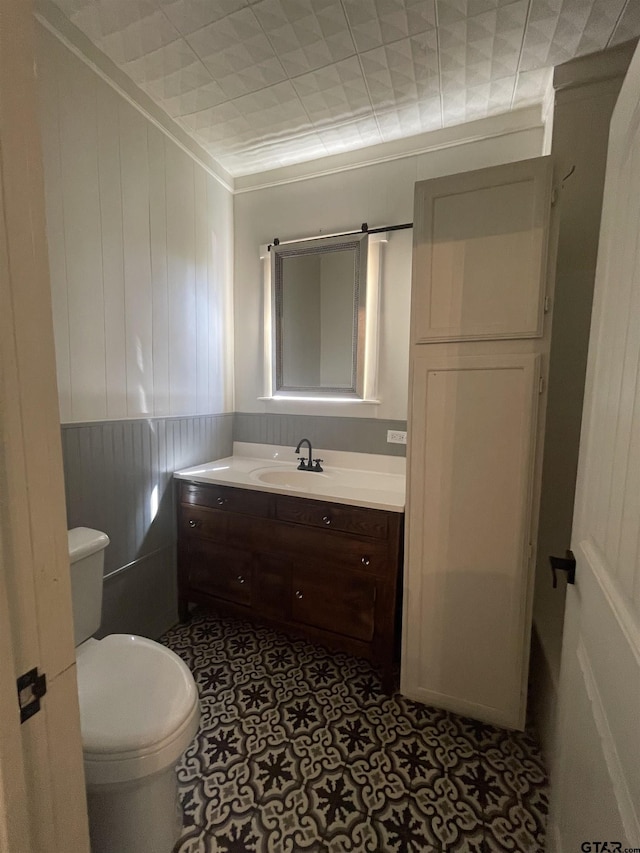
326, 519
298, 593
240, 579
365, 561
193, 522
220, 501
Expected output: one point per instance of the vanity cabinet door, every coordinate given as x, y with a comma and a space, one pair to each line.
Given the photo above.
221, 571
334, 601
271, 587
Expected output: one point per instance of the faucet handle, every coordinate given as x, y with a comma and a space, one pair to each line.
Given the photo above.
317, 466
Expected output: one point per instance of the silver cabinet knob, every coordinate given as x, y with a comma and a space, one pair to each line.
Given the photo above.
220, 501
365, 561
298, 593
326, 519
240, 579
193, 522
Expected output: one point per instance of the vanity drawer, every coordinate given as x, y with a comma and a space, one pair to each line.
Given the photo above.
330, 550
346, 519
226, 498
217, 570
197, 523
226, 528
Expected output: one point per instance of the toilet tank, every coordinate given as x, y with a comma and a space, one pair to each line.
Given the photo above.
86, 555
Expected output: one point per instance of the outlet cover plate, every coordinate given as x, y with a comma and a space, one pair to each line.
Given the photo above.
396, 436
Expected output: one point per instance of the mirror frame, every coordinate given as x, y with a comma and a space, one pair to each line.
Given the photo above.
320, 246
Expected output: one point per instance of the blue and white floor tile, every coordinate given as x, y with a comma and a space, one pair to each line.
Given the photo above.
299, 750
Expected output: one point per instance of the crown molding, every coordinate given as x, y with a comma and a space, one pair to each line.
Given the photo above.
504, 124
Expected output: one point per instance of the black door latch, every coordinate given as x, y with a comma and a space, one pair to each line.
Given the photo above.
563, 564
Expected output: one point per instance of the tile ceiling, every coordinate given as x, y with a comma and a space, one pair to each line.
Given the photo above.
266, 83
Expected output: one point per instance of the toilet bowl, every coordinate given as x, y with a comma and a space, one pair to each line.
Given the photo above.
139, 711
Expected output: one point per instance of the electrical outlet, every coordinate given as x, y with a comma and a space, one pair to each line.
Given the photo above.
396, 436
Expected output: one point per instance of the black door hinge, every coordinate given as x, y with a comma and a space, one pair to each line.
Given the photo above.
31, 689
563, 564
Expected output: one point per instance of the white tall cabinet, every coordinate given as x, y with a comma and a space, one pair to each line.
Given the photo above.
480, 325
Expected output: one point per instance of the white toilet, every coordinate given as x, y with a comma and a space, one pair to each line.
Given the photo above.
139, 711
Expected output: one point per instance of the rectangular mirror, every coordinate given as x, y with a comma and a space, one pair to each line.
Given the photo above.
319, 297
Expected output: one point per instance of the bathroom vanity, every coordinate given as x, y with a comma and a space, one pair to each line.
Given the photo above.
261, 540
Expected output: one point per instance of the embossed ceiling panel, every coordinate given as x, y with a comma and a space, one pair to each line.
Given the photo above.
267, 83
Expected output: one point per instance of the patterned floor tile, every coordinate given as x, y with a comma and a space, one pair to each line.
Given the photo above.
227, 797
403, 827
352, 834
195, 840
515, 830
451, 814
353, 735
377, 781
482, 788
414, 762
299, 750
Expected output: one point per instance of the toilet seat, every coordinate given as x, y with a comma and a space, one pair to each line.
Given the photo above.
139, 707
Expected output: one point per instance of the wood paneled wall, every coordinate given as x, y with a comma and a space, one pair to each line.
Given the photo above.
140, 246
118, 478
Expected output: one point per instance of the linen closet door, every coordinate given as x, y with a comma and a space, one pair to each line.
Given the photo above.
479, 345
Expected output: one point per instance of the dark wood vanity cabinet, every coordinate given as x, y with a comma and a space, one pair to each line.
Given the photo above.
327, 571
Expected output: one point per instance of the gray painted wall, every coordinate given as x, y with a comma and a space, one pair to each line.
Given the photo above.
361, 435
118, 479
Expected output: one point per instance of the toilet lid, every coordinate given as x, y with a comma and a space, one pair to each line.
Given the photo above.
133, 692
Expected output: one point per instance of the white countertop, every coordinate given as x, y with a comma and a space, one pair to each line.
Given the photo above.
356, 479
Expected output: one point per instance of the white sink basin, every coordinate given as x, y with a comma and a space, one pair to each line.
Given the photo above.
286, 479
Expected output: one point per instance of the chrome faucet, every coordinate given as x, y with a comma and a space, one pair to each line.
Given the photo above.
310, 464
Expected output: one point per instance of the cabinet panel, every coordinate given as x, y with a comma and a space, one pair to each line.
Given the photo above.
334, 601
221, 571
480, 253
470, 494
347, 519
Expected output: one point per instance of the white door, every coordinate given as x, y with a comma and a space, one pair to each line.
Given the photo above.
596, 785
42, 797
